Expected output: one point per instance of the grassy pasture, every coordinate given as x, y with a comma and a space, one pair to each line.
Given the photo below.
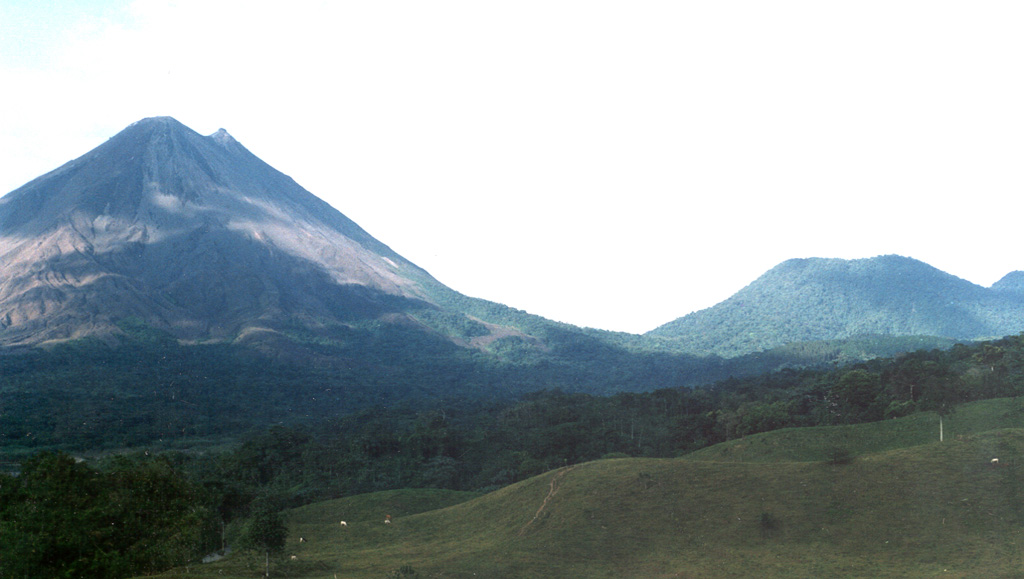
815, 443
904, 506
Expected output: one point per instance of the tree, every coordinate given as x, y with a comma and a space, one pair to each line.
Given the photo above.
855, 395
62, 518
769, 524
942, 393
264, 531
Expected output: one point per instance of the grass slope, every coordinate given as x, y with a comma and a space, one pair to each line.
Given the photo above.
905, 507
815, 443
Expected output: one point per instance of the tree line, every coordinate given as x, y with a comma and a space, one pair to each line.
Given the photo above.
474, 444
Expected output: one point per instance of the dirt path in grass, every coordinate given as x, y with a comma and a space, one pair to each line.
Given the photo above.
552, 489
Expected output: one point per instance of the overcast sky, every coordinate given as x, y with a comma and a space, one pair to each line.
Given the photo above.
607, 164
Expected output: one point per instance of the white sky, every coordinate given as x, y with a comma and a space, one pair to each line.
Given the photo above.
608, 164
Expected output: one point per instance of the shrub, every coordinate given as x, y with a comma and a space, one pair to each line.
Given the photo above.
769, 524
838, 455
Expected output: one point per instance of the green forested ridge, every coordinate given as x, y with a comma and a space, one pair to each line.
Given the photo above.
151, 390
473, 444
823, 299
89, 395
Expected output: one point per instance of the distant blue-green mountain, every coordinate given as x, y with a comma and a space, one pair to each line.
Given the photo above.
814, 299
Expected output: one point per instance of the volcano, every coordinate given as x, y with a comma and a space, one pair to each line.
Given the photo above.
190, 234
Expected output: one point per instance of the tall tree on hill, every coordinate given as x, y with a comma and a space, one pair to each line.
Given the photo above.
942, 393
264, 531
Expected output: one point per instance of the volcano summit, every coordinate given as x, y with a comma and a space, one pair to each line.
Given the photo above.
193, 235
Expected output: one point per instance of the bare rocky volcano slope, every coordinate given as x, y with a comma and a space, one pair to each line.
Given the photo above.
189, 233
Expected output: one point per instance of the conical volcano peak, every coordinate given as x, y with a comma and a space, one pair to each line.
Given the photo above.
153, 126
191, 233
154, 121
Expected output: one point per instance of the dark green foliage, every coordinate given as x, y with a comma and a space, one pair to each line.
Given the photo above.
645, 480
452, 324
88, 395
403, 572
769, 525
854, 396
838, 455
264, 530
149, 389
61, 518
466, 444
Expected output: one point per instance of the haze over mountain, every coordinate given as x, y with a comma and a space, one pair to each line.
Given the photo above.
193, 235
827, 299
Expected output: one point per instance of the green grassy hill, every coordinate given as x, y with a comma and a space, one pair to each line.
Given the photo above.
904, 506
821, 442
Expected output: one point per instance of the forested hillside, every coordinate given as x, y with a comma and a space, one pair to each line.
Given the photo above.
150, 390
473, 445
826, 299
89, 395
